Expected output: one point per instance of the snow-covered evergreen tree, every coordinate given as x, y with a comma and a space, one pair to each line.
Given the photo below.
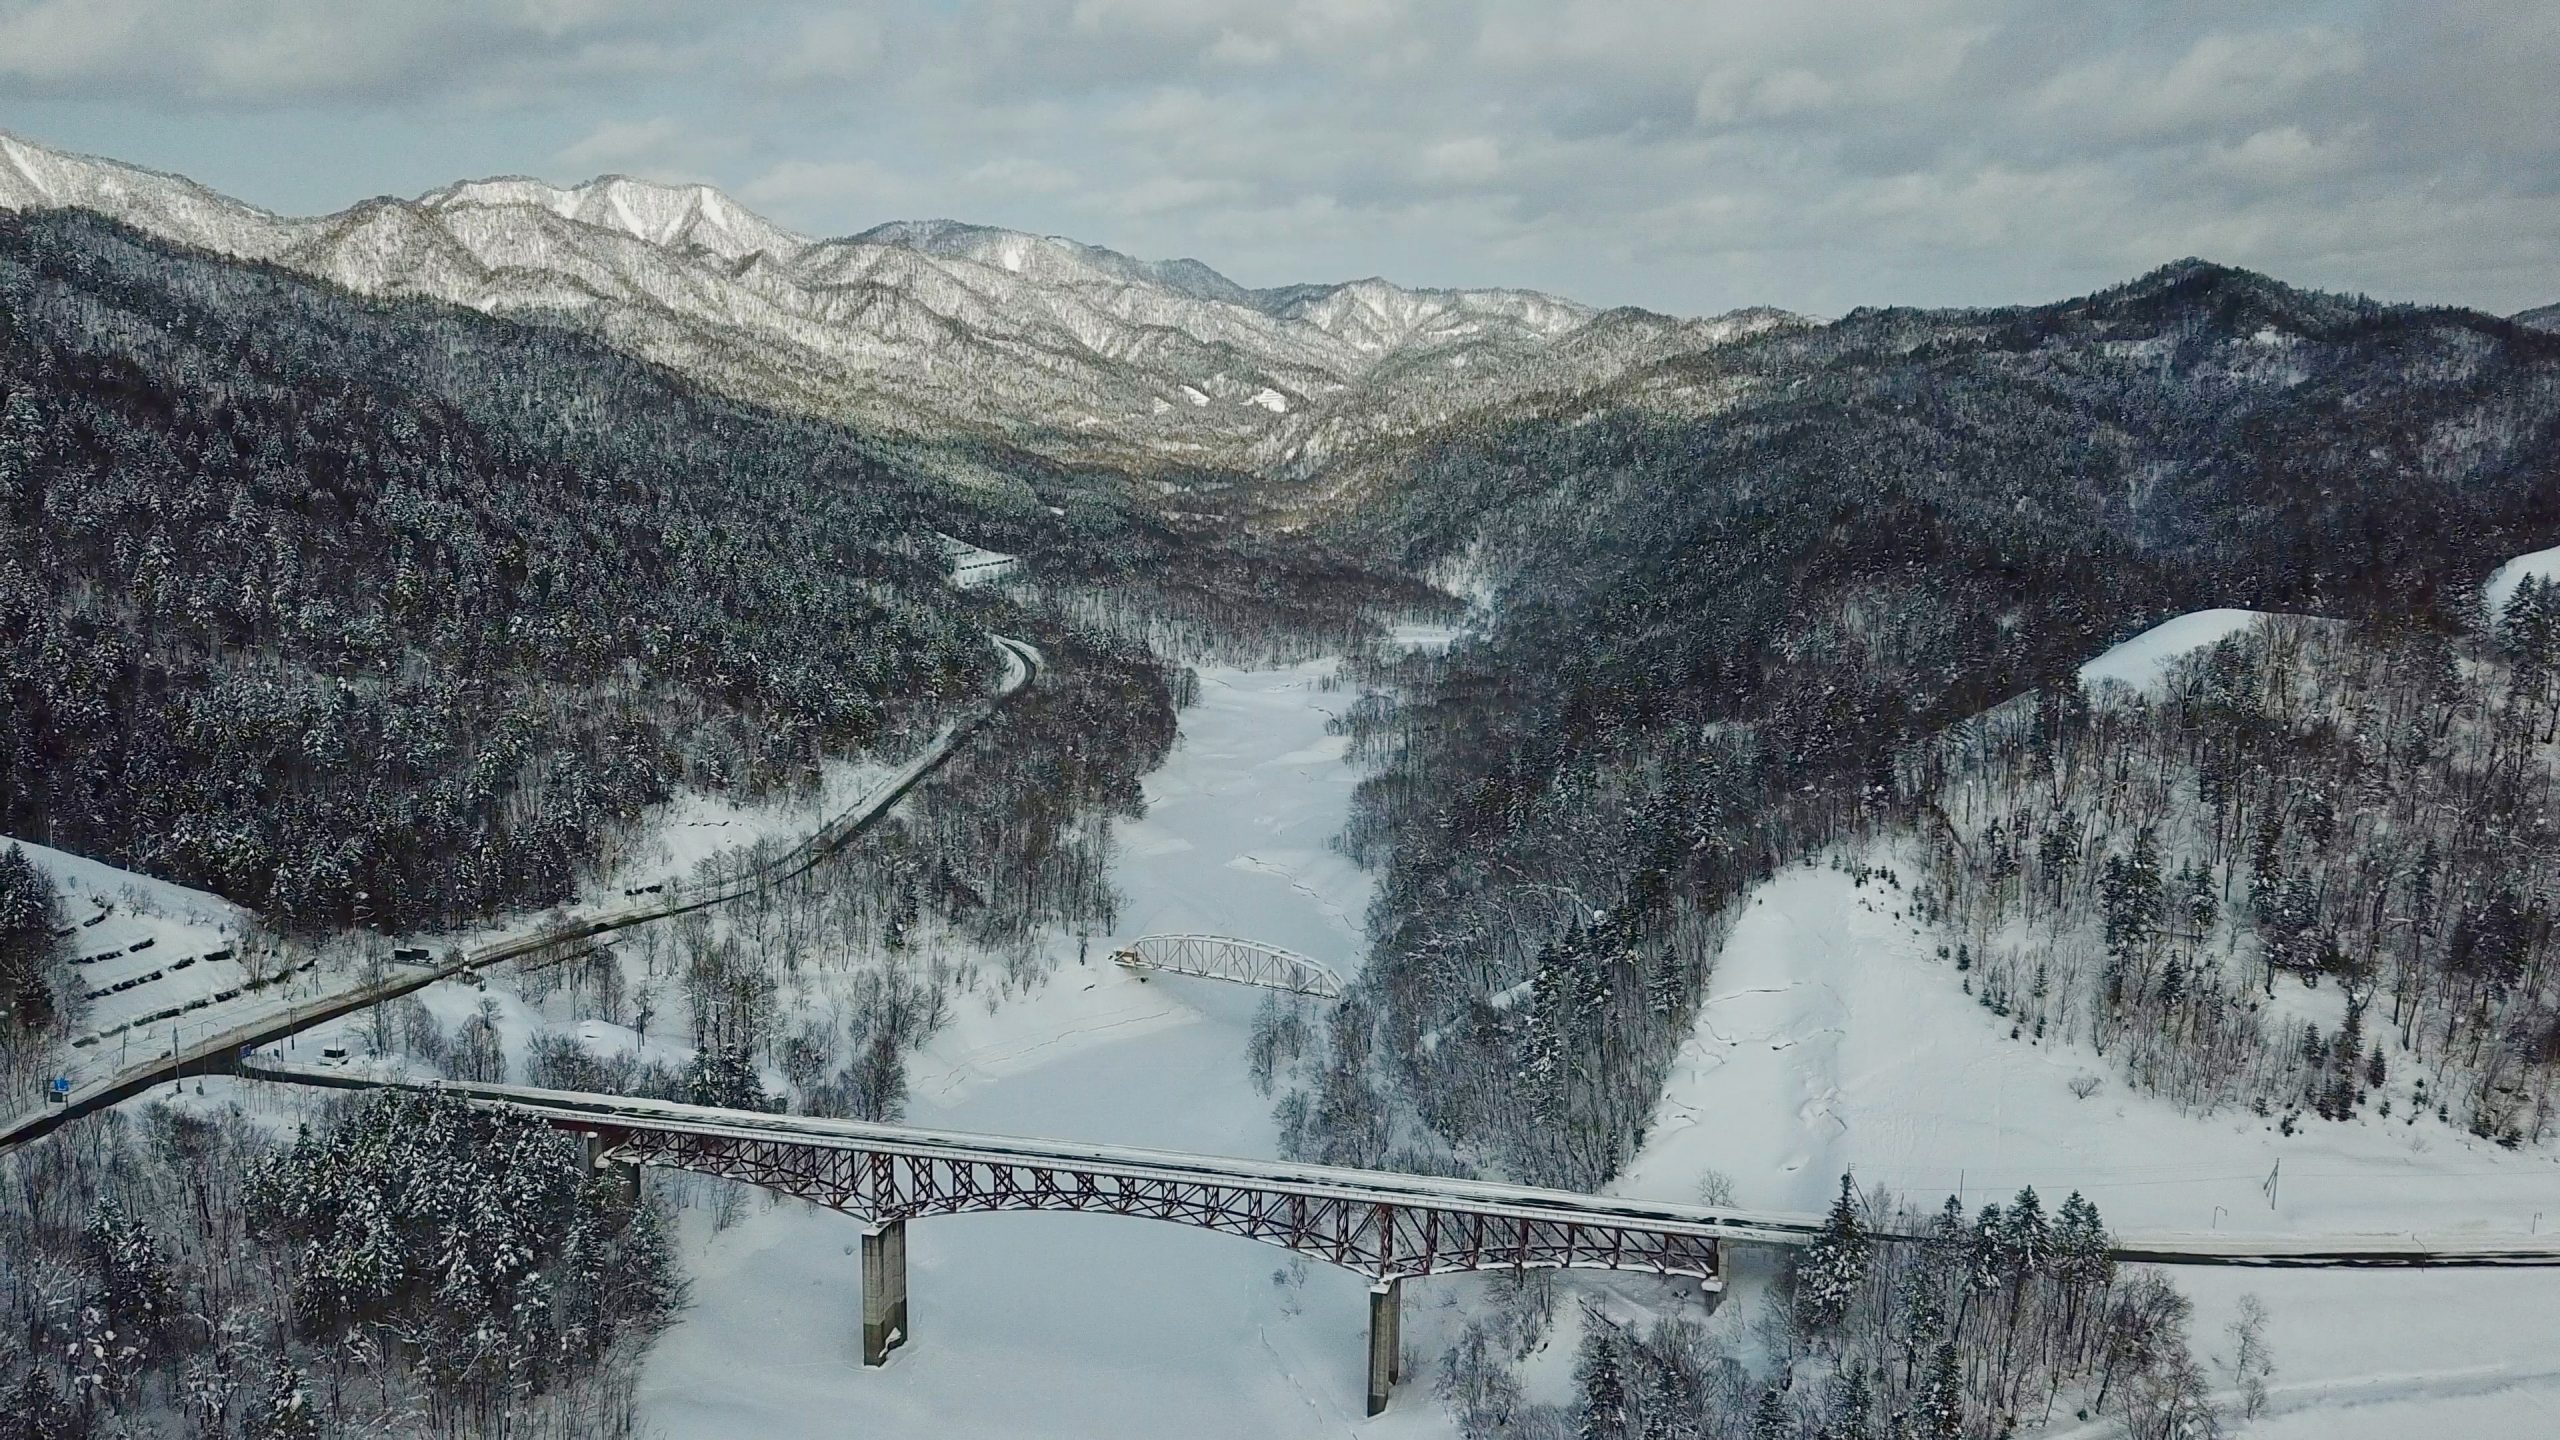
28, 951
723, 1075
288, 1411
1832, 1273
135, 1292
1600, 1377
1939, 1412
1848, 1407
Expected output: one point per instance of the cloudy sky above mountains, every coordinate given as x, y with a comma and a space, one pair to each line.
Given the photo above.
1689, 155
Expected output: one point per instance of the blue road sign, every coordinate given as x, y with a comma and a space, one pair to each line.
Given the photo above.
61, 1087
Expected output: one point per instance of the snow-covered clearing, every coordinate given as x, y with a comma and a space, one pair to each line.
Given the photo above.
673, 839
2501, 585
147, 955
2142, 661
1832, 1036
1076, 1325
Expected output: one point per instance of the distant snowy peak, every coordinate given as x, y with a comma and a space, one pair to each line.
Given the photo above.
678, 217
35, 178
1375, 315
927, 328
2546, 317
1051, 257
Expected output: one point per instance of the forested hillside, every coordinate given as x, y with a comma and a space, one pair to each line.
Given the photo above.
2309, 878
407, 1266
1726, 592
359, 611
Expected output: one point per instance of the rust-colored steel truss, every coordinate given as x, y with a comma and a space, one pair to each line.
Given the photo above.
1381, 1238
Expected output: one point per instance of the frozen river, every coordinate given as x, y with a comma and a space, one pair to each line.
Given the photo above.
1033, 1325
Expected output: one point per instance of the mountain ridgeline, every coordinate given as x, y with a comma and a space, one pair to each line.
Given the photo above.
945, 334
1728, 591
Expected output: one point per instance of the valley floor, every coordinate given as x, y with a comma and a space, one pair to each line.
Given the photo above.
1075, 1325
1832, 1036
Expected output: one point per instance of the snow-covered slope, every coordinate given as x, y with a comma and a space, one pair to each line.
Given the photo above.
33, 177
674, 217
2541, 317
1832, 1037
2142, 661
922, 327
2501, 585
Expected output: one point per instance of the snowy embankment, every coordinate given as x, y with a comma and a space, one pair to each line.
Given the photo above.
149, 959
1075, 1325
1833, 1037
2143, 661
2501, 585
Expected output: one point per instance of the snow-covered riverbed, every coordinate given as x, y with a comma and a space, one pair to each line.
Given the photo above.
1031, 1325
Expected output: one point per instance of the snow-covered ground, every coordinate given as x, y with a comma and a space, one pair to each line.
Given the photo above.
2502, 582
1833, 1037
1074, 1325
673, 839
2142, 661
147, 955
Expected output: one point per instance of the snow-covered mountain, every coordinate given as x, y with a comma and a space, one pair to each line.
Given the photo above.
2542, 317
928, 328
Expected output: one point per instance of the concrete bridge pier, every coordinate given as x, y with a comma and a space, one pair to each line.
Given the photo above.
623, 1175
884, 1290
1386, 1340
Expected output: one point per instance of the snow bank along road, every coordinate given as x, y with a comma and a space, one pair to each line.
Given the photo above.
1387, 1256
1021, 667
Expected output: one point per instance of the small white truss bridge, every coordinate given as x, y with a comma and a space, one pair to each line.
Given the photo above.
1221, 957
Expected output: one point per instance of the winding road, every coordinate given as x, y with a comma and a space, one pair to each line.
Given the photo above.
1022, 663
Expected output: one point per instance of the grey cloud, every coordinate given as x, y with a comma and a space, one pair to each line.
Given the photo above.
267, 52
1688, 154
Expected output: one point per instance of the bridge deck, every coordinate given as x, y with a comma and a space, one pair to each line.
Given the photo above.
571, 1110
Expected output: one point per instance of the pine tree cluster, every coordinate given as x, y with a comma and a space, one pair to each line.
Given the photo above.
407, 1265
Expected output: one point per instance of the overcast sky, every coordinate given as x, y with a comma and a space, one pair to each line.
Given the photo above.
1689, 155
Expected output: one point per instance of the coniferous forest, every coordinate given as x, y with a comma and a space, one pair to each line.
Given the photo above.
409, 1265
358, 612
1709, 640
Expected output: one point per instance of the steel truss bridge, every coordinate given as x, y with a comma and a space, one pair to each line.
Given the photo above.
1386, 1227
1221, 957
